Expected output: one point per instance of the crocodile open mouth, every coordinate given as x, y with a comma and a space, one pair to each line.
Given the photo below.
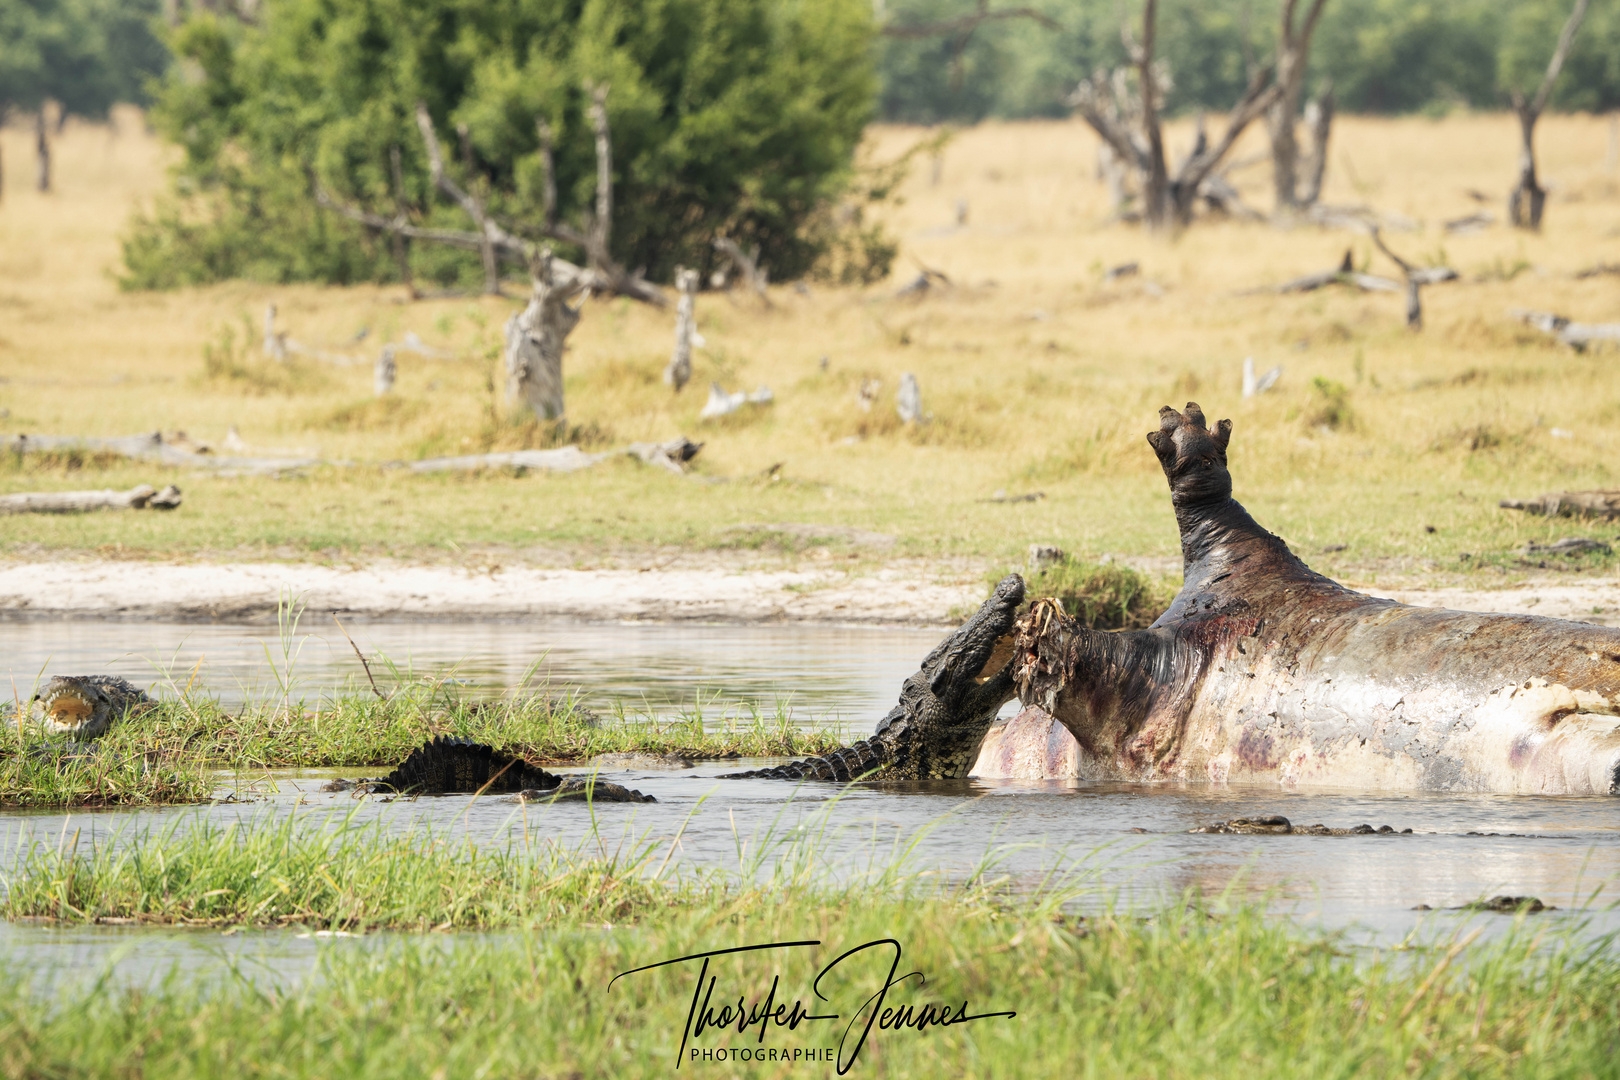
68, 709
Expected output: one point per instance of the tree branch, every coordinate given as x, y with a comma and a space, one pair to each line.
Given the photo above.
1566, 38
601, 225
468, 202
1256, 100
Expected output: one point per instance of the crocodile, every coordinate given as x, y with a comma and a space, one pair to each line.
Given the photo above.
83, 707
449, 765
1263, 670
945, 708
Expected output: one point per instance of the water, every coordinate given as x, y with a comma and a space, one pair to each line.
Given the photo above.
820, 673
1127, 841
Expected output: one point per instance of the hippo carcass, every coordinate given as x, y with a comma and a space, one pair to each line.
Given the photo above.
1263, 670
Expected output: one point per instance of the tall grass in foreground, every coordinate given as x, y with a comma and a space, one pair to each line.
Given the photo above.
346, 876
1187, 993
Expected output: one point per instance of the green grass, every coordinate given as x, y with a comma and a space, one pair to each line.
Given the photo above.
164, 755
124, 770
1193, 990
1101, 595
345, 876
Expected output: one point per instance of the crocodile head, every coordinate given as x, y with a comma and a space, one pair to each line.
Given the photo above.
947, 707
84, 707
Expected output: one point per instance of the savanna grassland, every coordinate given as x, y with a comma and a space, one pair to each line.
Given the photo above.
1039, 375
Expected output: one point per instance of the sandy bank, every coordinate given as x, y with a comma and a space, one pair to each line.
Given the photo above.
235, 592
909, 593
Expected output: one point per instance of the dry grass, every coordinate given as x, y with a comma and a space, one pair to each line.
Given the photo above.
1038, 374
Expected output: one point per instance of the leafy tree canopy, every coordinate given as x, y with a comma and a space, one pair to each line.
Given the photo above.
727, 116
1383, 55
86, 55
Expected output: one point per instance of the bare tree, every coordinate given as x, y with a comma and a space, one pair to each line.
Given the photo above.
1319, 122
1416, 278
474, 206
1293, 50
1131, 127
1528, 198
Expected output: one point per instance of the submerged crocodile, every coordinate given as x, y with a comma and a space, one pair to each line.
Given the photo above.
83, 707
450, 765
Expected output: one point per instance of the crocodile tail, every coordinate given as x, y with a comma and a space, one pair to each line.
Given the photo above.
451, 764
842, 765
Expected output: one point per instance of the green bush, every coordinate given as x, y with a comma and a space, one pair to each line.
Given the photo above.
728, 116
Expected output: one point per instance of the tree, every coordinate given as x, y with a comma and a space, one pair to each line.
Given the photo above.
1293, 50
84, 55
734, 117
1130, 127
1527, 199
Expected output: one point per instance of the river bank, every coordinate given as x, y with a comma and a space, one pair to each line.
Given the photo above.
700, 586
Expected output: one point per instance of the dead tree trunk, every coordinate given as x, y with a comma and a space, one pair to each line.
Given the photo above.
1293, 50
1319, 121
42, 142
599, 234
1528, 197
679, 372
1156, 181
1132, 128
383, 374
535, 338
1416, 278
755, 276
1111, 171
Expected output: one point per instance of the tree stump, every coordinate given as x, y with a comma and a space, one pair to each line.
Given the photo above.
679, 371
535, 338
383, 374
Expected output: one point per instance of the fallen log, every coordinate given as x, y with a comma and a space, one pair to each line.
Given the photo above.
152, 447
140, 497
673, 455
1343, 274
1577, 336
1603, 504
721, 403
562, 459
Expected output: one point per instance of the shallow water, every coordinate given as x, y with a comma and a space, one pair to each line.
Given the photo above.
1569, 848
819, 673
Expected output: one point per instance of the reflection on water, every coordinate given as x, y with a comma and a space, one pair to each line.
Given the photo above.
823, 674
